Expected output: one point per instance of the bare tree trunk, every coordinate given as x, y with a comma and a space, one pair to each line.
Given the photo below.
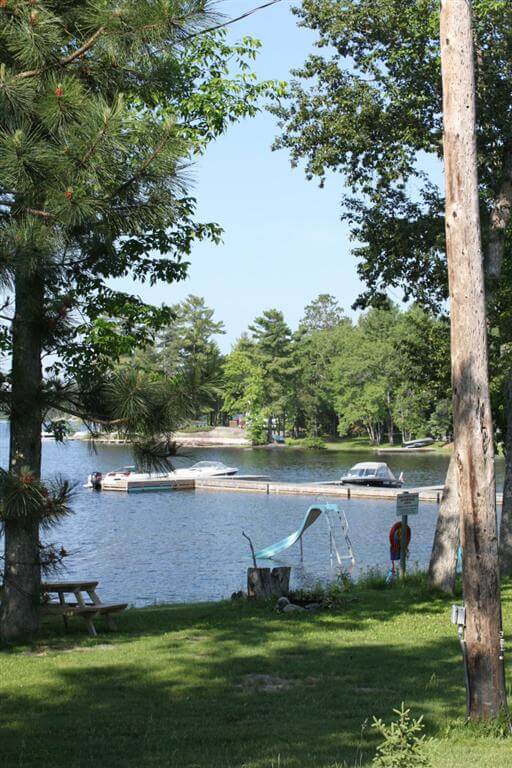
443, 559
20, 604
506, 510
474, 450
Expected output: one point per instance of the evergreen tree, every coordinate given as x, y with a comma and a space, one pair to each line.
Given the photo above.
101, 106
274, 354
188, 347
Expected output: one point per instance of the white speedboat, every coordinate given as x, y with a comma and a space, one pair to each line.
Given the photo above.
128, 478
372, 473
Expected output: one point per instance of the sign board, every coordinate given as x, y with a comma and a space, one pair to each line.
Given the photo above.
407, 504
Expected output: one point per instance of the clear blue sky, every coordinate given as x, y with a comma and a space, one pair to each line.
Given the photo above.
283, 240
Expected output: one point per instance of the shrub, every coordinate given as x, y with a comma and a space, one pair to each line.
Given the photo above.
258, 431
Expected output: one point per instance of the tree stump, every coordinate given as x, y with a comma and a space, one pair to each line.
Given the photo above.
265, 583
280, 581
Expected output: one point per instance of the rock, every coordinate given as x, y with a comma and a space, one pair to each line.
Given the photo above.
282, 603
291, 608
313, 607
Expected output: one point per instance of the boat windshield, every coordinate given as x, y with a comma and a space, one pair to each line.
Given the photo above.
208, 465
380, 471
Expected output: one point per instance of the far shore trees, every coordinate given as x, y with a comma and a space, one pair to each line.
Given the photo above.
102, 106
387, 376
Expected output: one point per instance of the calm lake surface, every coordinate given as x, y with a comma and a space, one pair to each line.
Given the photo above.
167, 546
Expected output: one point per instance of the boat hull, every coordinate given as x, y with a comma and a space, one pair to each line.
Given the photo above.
371, 482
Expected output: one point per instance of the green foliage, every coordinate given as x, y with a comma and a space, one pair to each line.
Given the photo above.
25, 498
368, 104
186, 346
404, 742
94, 133
388, 372
258, 432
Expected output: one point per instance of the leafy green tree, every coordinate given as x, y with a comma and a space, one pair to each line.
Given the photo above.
102, 104
324, 313
244, 389
361, 385
368, 105
318, 342
392, 370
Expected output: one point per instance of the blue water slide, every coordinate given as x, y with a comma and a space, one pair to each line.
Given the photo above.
311, 517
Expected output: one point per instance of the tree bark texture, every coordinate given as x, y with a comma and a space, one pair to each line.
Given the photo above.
20, 605
443, 559
264, 583
473, 430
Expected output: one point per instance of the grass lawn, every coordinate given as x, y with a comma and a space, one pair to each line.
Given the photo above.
177, 686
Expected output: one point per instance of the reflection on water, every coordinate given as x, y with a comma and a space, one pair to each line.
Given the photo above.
188, 545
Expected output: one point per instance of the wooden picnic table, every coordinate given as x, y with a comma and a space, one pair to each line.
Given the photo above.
80, 606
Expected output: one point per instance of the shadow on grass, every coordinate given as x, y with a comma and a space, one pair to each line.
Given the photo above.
227, 686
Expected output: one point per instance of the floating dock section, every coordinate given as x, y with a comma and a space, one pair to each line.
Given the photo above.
431, 493
148, 484
253, 484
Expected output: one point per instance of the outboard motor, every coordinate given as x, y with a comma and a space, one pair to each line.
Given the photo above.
95, 479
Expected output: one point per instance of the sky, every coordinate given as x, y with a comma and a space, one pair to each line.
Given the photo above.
283, 240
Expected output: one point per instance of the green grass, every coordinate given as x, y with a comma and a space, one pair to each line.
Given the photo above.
173, 687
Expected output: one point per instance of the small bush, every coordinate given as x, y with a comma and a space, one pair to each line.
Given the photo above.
404, 742
258, 431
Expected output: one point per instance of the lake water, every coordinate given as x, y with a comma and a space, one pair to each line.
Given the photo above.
175, 546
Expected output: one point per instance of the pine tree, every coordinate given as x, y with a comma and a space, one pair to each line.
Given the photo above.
188, 347
274, 354
102, 104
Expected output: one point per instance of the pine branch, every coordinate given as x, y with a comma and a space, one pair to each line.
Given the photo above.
67, 59
42, 214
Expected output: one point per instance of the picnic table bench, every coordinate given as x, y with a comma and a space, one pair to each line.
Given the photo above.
87, 610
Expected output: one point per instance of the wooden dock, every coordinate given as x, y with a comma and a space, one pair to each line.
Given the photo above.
150, 484
431, 493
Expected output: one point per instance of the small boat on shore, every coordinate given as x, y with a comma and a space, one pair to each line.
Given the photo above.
372, 473
128, 478
423, 442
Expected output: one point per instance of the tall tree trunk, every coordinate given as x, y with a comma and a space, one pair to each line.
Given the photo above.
20, 613
474, 450
506, 509
443, 559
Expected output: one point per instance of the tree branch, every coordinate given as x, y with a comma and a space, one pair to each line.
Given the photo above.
147, 162
68, 59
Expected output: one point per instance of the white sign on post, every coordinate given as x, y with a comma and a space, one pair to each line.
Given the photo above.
407, 504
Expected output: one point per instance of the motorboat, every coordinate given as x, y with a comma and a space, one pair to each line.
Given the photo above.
128, 478
372, 473
423, 442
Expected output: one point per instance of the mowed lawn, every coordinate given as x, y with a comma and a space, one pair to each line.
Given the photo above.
234, 684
